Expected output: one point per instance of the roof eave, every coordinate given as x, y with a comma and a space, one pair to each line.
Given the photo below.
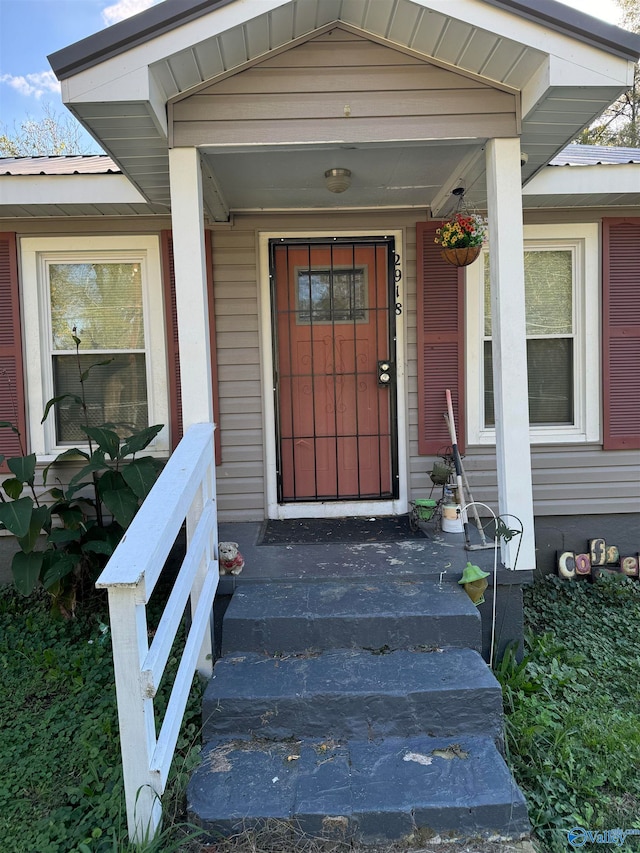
170, 14
566, 19
129, 33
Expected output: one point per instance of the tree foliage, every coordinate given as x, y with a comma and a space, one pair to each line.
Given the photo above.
52, 135
619, 125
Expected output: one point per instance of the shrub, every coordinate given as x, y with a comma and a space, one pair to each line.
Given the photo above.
572, 718
83, 521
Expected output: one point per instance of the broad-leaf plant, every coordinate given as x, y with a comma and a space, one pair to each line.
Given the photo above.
66, 533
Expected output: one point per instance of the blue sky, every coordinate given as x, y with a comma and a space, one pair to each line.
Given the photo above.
32, 29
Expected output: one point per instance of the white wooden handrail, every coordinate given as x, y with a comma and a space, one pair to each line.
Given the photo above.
185, 490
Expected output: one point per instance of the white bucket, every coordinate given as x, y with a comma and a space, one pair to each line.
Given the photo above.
452, 519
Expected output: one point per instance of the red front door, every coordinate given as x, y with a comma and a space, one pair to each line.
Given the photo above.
332, 328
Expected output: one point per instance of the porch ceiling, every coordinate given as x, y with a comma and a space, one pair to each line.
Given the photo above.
381, 175
564, 75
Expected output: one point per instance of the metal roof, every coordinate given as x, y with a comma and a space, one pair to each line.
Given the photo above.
85, 164
100, 164
591, 155
69, 186
580, 176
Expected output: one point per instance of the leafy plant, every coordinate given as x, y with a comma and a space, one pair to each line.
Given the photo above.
62, 788
572, 720
83, 521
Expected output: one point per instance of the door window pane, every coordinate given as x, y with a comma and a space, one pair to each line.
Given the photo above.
332, 296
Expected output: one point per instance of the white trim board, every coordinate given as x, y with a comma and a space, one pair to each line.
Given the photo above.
34, 253
582, 239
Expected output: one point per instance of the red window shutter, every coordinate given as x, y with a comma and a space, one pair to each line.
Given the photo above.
12, 403
173, 350
440, 335
621, 333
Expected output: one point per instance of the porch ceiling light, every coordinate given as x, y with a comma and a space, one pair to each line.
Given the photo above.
337, 180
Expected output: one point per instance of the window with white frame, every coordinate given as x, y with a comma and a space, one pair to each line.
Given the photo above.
561, 299
105, 292
99, 304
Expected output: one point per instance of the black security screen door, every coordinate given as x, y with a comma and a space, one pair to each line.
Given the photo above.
335, 402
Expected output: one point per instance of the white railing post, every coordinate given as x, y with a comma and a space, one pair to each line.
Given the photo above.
185, 490
206, 494
135, 713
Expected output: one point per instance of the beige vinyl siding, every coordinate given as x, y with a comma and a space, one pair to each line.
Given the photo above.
567, 479
342, 86
240, 476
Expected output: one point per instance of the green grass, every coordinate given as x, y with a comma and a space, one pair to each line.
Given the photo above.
61, 785
573, 709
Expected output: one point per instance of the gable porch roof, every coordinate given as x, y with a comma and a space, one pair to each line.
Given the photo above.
564, 68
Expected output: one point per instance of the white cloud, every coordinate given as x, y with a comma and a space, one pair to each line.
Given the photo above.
608, 10
33, 85
125, 9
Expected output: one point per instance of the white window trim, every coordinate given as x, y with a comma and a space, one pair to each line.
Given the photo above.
35, 254
583, 240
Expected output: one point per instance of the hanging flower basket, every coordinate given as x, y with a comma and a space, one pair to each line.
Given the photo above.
461, 257
461, 238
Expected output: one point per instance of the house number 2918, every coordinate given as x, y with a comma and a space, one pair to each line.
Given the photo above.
397, 277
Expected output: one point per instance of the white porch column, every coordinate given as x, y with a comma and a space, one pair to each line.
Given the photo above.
504, 202
192, 299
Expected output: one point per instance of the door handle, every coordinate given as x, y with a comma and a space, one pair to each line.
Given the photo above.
386, 373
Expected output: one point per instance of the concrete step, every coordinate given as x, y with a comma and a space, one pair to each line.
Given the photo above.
351, 693
294, 617
372, 790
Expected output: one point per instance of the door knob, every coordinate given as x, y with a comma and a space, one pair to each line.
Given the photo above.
385, 373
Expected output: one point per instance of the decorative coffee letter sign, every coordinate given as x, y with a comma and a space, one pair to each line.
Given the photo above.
598, 552
583, 564
567, 564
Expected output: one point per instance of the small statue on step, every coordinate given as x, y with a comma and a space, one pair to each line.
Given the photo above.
230, 560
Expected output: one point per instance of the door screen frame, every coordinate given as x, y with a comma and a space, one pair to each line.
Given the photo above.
329, 509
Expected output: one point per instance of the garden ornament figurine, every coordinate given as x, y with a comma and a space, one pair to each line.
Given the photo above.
230, 560
474, 581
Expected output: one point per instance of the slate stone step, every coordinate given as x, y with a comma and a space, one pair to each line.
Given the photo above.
370, 790
352, 693
282, 617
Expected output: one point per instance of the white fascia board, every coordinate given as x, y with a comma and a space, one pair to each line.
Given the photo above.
138, 85
536, 89
129, 84
68, 189
565, 73
158, 104
618, 178
511, 26
557, 72
107, 78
